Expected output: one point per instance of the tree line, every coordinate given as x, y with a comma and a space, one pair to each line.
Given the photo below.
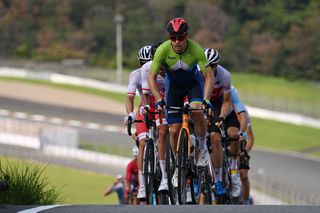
271, 37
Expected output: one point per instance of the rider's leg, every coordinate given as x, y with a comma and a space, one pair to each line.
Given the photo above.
216, 155
245, 185
162, 134
142, 135
200, 127
234, 150
174, 132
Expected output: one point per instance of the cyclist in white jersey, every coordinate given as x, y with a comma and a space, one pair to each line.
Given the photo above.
148, 102
246, 127
221, 101
134, 85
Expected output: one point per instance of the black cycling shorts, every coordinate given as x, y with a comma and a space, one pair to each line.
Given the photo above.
244, 162
175, 95
230, 121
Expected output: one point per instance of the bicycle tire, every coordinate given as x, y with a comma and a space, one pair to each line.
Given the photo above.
170, 167
182, 165
149, 171
208, 184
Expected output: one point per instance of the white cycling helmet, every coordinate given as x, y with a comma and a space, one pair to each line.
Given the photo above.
145, 53
212, 55
119, 176
135, 151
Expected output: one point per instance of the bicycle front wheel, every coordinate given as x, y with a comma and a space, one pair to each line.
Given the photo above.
149, 172
182, 165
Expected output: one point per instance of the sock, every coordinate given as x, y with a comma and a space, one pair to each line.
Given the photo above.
163, 169
202, 143
141, 179
234, 164
217, 174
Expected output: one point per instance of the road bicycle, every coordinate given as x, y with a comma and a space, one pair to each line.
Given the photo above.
151, 166
186, 163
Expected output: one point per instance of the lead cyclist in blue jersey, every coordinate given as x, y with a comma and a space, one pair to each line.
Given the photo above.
180, 56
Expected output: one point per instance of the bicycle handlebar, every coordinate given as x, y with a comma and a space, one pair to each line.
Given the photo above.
146, 120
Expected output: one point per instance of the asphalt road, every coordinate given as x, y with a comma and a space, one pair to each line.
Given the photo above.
275, 173
161, 209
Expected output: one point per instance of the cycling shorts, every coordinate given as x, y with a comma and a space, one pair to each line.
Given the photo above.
244, 162
141, 127
230, 121
175, 95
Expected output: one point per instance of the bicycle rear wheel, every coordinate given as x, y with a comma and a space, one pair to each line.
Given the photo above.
182, 166
149, 172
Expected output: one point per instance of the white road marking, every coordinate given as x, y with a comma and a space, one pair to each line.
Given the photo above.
21, 115
74, 123
38, 117
92, 126
56, 120
4, 112
39, 208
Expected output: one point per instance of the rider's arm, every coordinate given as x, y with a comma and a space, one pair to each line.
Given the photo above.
208, 85
154, 70
207, 72
226, 105
109, 190
130, 103
243, 121
145, 97
250, 134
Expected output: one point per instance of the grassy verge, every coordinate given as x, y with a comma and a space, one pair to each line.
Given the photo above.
78, 187
284, 136
108, 149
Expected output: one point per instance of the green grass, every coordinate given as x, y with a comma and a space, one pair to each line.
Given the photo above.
283, 136
108, 149
78, 187
277, 87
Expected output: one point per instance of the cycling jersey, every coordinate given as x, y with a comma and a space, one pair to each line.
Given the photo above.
181, 69
222, 82
146, 90
132, 175
144, 78
236, 104
135, 83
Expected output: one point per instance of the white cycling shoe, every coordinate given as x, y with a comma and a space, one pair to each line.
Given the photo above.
203, 159
163, 185
174, 179
141, 193
236, 185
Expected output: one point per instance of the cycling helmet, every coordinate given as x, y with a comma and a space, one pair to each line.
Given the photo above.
135, 151
119, 176
178, 26
212, 55
145, 53
154, 48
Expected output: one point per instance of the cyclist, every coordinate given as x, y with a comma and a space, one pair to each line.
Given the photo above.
117, 187
148, 103
132, 182
245, 126
179, 57
135, 84
223, 115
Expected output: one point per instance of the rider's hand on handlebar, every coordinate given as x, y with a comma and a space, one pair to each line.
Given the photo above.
144, 109
160, 105
219, 122
130, 117
242, 136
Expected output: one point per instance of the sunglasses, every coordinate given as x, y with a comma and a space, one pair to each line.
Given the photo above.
177, 38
